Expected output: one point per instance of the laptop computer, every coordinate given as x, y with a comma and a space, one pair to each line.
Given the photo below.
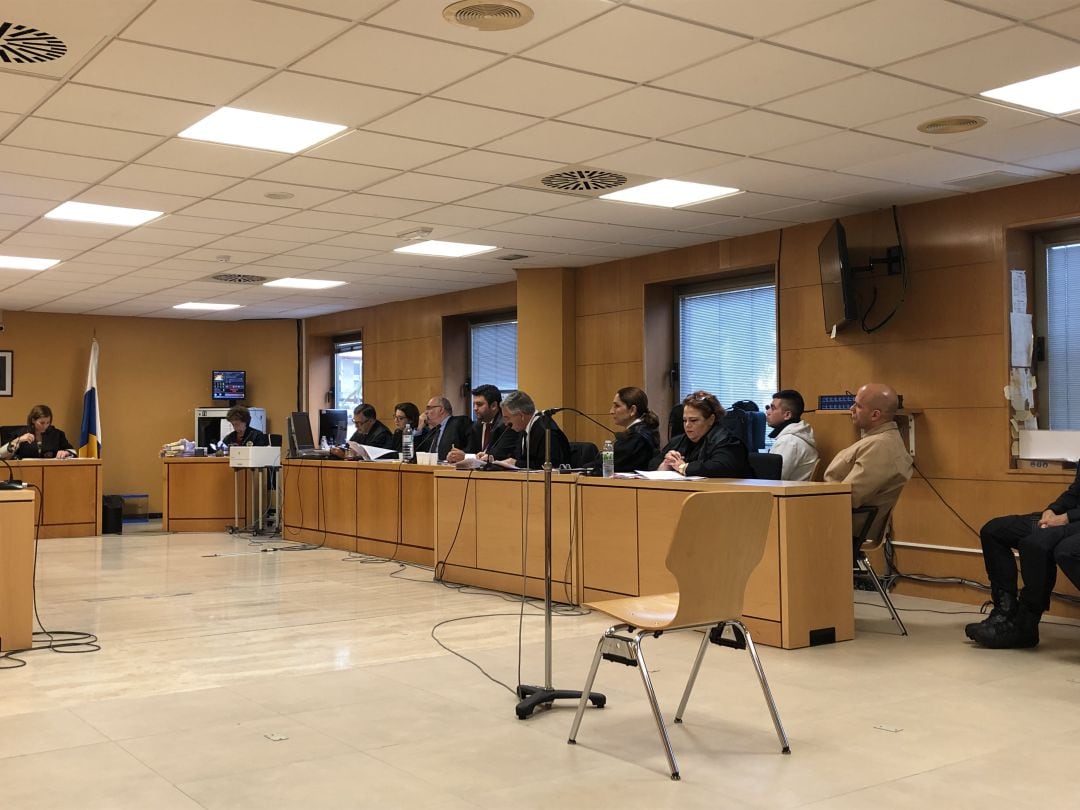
301, 442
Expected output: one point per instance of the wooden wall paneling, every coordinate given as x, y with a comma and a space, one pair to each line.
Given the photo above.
951, 232
658, 512
749, 252
953, 442
455, 528
611, 337
764, 582
72, 495
799, 258
562, 530
320, 377
456, 363
659, 348
612, 565
417, 506
302, 502
18, 512
546, 335
338, 507
377, 486
608, 287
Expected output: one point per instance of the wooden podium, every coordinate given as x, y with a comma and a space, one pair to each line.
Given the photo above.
16, 569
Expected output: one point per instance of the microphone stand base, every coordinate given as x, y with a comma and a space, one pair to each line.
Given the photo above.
533, 697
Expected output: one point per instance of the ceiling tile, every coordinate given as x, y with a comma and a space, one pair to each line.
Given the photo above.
756, 74
7, 120
638, 216
12, 222
113, 108
23, 185
1022, 9
462, 216
976, 66
54, 165
861, 100
490, 167
169, 74
155, 178
161, 236
998, 117
376, 149
532, 88
321, 99
48, 241
1019, 144
1067, 161
919, 168
326, 173
1067, 23
29, 206
748, 203
20, 94
650, 112
129, 254
244, 212
520, 200
332, 252
326, 220
233, 161
289, 261
623, 44
564, 143
902, 26
374, 206
290, 233
183, 222
752, 133
658, 159
419, 65
78, 139
840, 150
394, 228
255, 191
460, 124
240, 29
134, 198
413, 186
758, 19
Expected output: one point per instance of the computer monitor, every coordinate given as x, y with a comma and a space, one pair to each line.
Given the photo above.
300, 432
228, 385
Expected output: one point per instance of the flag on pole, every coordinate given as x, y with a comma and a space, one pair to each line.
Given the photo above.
90, 435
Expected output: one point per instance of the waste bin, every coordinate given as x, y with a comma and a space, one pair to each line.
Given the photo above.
112, 514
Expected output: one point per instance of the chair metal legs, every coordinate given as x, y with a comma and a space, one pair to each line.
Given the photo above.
864, 566
781, 735
622, 644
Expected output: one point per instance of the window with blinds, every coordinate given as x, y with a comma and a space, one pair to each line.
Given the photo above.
727, 341
493, 354
1062, 331
348, 371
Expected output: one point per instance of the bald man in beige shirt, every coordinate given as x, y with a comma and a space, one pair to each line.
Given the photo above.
878, 465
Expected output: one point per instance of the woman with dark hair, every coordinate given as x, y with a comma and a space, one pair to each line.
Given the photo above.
639, 439
705, 448
405, 413
243, 433
41, 439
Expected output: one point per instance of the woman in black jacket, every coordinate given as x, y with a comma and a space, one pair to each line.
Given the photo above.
638, 442
41, 439
706, 448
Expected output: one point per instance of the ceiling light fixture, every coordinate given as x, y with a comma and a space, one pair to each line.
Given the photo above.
416, 234
278, 133
670, 193
1055, 93
26, 263
453, 250
207, 307
304, 283
103, 214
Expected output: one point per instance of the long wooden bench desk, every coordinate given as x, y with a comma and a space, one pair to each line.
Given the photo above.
17, 512
198, 494
70, 494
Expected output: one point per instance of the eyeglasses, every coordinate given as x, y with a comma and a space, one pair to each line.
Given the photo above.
432, 407
400, 418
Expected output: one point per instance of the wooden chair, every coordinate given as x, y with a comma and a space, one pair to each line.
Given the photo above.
719, 539
870, 537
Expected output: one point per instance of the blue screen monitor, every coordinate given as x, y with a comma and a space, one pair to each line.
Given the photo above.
228, 385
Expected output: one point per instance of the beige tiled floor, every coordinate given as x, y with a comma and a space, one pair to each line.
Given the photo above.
230, 677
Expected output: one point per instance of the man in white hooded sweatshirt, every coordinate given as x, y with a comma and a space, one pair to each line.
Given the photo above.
792, 438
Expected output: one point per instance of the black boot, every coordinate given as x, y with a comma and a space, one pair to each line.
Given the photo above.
1004, 608
1022, 630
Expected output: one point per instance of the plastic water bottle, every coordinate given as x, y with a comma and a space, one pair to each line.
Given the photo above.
323, 443
407, 443
608, 457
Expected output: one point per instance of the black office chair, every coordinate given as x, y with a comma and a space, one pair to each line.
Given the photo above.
674, 422
768, 466
871, 536
583, 454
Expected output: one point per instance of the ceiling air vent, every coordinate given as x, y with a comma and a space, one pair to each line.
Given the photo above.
21, 44
583, 181
488, 16
981, 182
512, 257
237, 278
952, 124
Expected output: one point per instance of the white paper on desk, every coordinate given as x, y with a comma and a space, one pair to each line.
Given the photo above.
1019, 292
667, 475
1020, 327
470, 462
367, 452
506, 464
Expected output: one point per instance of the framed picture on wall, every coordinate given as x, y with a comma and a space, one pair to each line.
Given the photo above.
7, 360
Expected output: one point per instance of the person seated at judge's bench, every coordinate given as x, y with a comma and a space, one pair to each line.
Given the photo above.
369, 431
792, 437
405, 413
441, 431
705, 448
529, 447
639, 440
490, 432
243, 434
41, 440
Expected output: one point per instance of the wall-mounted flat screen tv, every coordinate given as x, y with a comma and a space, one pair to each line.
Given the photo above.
837, 289
226, 385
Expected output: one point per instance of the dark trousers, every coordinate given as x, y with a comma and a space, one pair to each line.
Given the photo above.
1041, 552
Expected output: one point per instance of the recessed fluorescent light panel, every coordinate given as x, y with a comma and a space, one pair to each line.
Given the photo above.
26, 263
207, 307
103, 214
303, 283
670, 193
453, 250
279, 133
1055, 93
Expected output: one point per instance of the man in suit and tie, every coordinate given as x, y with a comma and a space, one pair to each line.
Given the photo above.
490, 433
441, 431
529, 427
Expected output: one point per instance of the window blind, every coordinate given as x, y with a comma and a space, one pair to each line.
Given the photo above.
494, 354
1063, 335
